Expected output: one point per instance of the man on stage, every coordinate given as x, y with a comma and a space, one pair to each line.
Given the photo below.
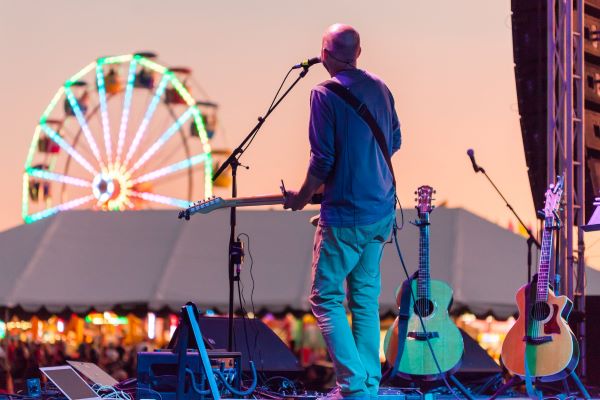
357, 211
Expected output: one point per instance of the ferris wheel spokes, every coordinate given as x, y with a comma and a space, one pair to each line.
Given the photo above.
147, 117
130, 154
170, 169
74, 103
104, 110
53, 176
160, 199
126, 109
167, 134
61, 207
56, 138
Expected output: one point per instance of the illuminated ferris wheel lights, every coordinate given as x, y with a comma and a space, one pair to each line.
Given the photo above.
52, 104
149, 113
51, 176
103, 109
157, 198
117, 59
103, 187
55, 210
163, 139
68, 148
187, 163
120, 179
126, 107
84, 126
84, 71
154, 66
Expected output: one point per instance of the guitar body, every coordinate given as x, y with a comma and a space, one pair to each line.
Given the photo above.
416, 362
551, 360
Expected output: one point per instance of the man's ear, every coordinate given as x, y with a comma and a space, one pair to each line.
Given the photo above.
358, 52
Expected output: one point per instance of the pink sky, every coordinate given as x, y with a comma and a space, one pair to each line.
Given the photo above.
449, 65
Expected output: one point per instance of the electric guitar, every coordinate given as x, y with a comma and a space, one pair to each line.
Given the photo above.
215, 203
407, 339
540, 343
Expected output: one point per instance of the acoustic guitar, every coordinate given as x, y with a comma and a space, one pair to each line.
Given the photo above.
433, 299
541, 342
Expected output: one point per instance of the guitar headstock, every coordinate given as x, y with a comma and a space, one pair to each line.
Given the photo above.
203, 207
553, 197
424, 197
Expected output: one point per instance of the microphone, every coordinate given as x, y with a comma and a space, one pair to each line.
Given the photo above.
476, 167
307, 63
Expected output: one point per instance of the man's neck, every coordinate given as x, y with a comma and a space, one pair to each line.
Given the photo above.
346, 68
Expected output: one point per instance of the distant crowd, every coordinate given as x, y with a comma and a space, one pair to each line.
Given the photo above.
20, 361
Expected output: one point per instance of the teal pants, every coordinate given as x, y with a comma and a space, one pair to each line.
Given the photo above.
350, 255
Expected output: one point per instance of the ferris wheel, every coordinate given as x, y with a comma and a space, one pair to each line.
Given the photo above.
122, 133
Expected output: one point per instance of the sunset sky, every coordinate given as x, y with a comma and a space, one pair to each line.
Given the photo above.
448, 64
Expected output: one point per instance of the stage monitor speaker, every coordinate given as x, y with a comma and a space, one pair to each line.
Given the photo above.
255, 340
476, 361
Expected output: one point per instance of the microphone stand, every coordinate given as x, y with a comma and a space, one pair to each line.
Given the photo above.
531, 240
234, 161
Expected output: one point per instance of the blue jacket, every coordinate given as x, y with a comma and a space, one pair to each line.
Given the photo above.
358, 187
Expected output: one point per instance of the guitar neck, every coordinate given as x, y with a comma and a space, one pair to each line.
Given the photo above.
265, 200
544, 265
423, 280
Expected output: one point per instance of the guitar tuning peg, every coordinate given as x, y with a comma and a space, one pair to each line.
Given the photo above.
415, 192
434, 191
416, 199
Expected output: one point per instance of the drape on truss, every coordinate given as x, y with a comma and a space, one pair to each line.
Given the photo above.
149, 260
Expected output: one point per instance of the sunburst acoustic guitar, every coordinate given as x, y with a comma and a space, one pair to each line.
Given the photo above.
540, 343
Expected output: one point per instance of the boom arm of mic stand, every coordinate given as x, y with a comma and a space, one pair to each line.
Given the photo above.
531, 237
531, 240
235, 155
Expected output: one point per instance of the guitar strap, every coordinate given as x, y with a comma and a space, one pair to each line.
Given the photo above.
404, 311
530, 296
362, 110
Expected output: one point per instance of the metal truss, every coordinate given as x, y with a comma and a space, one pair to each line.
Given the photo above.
566, 141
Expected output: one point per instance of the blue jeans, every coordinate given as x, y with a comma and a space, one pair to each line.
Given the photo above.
353, 255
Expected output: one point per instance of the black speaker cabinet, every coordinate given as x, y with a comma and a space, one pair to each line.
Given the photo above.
255, 340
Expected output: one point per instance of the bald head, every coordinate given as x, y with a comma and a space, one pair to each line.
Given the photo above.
342, 42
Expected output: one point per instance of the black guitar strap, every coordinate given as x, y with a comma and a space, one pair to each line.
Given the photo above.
362, 110
530, 298
404, 311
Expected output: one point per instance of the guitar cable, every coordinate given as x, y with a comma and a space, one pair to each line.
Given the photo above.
395, 229
245, 319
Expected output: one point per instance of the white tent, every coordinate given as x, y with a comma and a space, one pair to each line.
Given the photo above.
80, 259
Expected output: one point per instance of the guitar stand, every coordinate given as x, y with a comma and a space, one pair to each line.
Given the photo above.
515, 380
